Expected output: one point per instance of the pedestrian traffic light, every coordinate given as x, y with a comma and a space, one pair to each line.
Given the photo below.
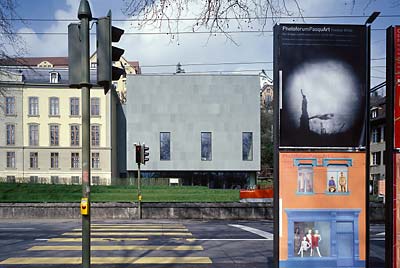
74, 55
138, 150
144, 154
106, 53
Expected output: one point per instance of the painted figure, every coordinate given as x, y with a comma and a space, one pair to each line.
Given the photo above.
316, 238
342, 182
332, 185
304, 247
297, 240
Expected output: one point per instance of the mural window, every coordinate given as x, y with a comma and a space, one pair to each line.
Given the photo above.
247, 146
165, 146
337, 179
206, 146
33, 106
305, 179
312, 239
10, 105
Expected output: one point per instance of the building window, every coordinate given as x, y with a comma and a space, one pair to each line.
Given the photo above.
33, 160
74, 106
374, 113
74, 135
165, 146
11, 179
206, 146
337, 179
305, 179
34, 135
376, 135
95, 180
10, 159
95, 106
247, 146
375, 158
95, 160
33, 179
74, 160
33, 106
95, 135
54, 77
75, 180
54, 160
10, 105
93, 65
54, 179
307, 237
54, 106
10, 134
54, 132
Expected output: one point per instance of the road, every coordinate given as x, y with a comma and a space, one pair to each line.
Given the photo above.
148, 244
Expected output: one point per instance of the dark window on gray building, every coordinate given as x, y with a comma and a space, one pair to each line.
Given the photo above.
206, 154
165, 146
247, 146
10, 134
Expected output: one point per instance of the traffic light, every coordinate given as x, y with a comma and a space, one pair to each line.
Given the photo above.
74, 55
144, 154
106, 53
138, 150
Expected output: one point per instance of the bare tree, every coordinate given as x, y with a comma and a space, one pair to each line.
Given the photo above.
217, 16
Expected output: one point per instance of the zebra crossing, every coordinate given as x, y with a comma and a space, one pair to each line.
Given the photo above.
129, 244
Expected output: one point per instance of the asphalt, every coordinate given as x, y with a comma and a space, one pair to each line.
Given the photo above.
148, 244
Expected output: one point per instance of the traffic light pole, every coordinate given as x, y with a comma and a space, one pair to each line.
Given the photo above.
85, 16
139, 194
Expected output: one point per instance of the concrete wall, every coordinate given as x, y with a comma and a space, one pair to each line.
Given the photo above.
185, 106
207, 211
129, 210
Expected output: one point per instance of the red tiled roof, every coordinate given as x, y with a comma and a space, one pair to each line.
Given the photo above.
34, 61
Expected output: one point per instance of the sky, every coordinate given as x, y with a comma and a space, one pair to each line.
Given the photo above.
254, 49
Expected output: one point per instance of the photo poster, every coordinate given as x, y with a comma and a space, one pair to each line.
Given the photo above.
322, 72
322, 209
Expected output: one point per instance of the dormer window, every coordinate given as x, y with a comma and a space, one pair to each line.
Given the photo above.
54, 77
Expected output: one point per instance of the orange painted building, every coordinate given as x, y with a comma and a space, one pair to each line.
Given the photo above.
322, 209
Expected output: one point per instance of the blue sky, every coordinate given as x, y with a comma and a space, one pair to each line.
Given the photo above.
200, 48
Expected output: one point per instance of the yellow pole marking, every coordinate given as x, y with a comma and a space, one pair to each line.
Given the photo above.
135, 229
129, 233
118, 247
97, 239
109, 260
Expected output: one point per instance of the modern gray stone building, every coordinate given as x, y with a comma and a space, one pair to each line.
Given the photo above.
203, 129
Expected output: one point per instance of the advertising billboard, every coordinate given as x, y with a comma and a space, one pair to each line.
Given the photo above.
323, 85
322, 209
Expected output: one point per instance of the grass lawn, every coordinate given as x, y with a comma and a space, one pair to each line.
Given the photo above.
24, 192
